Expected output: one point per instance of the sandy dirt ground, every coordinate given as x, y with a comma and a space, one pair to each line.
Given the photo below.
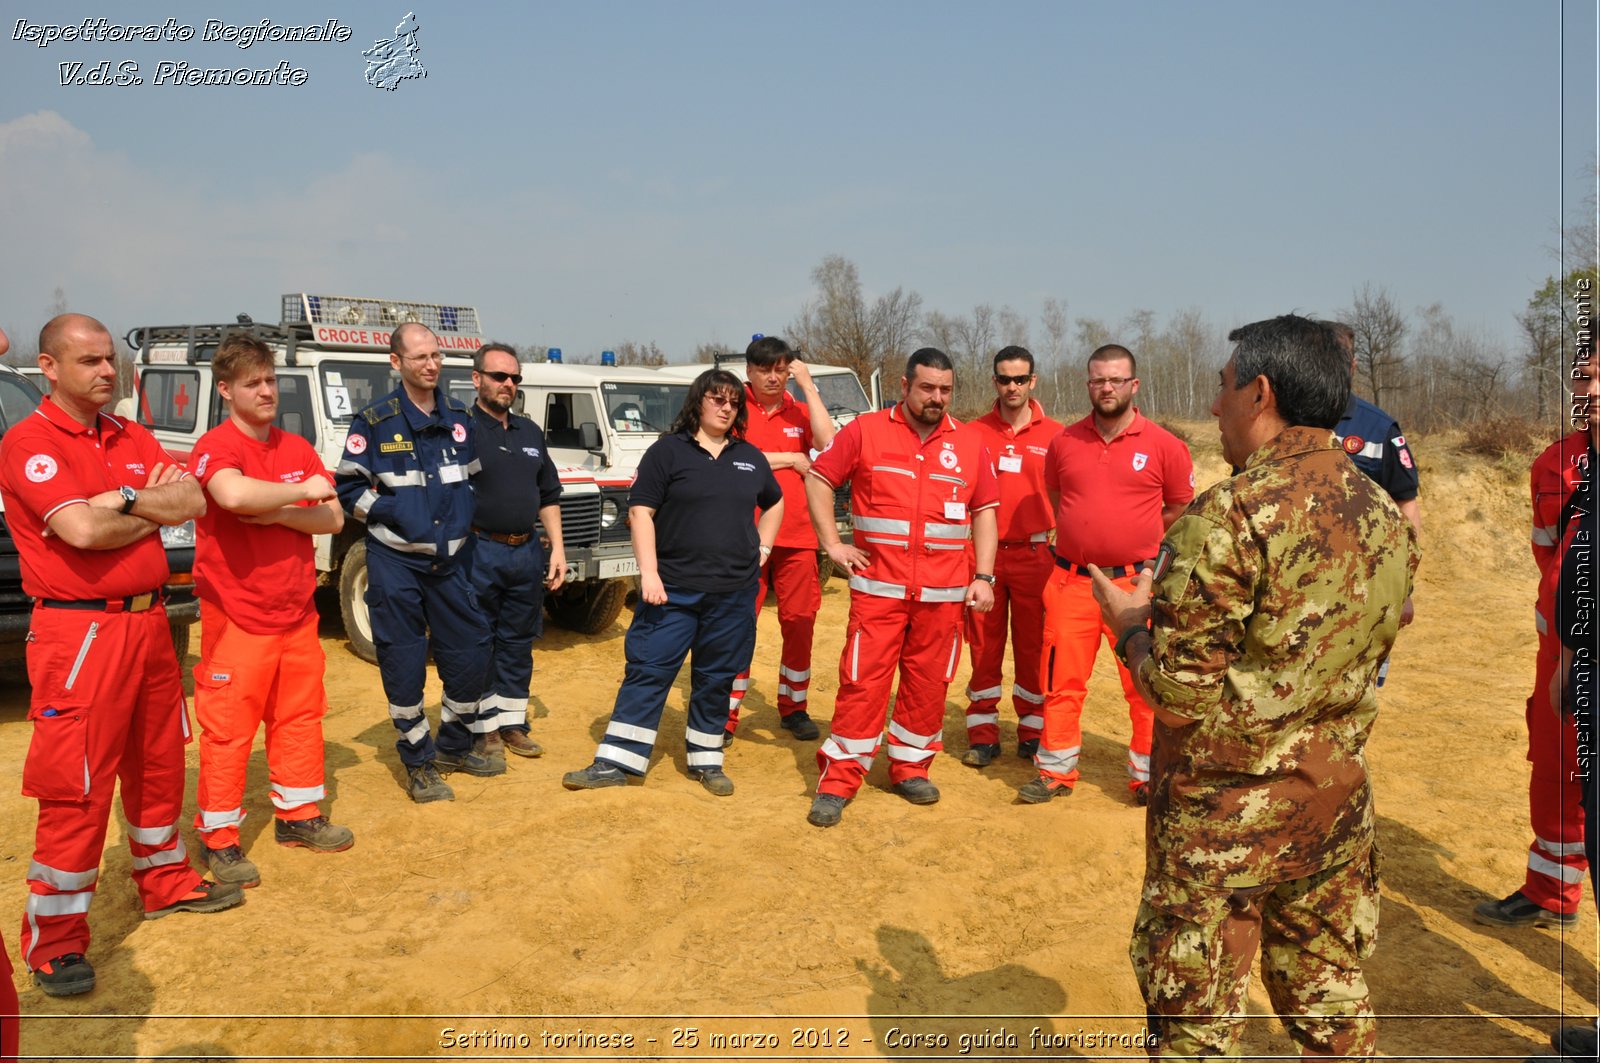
657, 921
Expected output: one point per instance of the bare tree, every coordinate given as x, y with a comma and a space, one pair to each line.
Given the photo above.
1013, 328
840, 328
1380, 331
631, 353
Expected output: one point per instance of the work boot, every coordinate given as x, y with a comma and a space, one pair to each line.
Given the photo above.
424, 784
826, 811
314, 833
918, 790
1028, 748
64, 976
1141, 794
981, 755
205, 897
228, 864
596, 776
715, 781
519, 743
473, 762
727, 739
801, 725
491, 745
1042, 790
1517, 910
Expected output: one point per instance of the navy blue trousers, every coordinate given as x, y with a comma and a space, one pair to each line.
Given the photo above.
509, 581
719, 630
411, 611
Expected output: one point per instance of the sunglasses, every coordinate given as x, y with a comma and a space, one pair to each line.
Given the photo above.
501, 378
723, 400
1019, 381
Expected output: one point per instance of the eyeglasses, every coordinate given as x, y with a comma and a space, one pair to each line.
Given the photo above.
501, 378
722, 400
1118, 382
420, 359
1019, 381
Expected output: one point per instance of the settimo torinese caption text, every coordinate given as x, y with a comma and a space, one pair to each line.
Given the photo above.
177, 72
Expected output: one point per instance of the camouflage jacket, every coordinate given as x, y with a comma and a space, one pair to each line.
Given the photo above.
1277, 596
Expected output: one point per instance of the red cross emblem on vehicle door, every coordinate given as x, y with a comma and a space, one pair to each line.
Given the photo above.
180, 398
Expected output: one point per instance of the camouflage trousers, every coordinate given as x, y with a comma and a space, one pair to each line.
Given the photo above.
1193, 945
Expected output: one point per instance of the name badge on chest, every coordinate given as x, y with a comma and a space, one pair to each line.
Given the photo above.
955, 511
1011, 463
451, 474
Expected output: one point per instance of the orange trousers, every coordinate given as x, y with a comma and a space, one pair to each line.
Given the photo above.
242, 681
1021, 571
1072, 632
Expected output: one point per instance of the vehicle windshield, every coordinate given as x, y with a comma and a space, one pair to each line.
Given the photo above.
841, 393
351, 386
18, 397
642, 407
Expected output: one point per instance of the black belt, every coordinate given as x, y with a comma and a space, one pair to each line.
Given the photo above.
509, 538
135, 603
1111, 571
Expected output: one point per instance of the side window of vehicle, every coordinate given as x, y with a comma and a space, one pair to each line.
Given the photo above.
564, 413
17, 400
171, 398
296, 413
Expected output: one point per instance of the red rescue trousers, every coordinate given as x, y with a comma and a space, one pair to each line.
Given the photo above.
792, 573
1556, 864
1072, 631
1020, 573
107, 704
242, 681
924, 640
10, 1022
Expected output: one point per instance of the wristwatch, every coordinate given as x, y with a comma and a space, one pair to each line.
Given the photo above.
129, 497
986, 577
1120, 650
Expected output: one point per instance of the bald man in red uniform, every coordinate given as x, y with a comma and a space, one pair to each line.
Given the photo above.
85, 495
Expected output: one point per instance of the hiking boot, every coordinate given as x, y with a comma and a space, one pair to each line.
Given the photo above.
596, 776
228, 864
473, 762
519, 743
982, 755
491, 745
64, 976
1043, 789
826, 811
1028, 748
1517, 910
205, 897
314, 833
715, 781
1141, 794
727, 739
424, 784
918, 790
801, 725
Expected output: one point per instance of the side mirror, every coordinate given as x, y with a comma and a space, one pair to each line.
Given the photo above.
589, 436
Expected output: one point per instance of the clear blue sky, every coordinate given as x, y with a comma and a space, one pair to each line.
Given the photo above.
589, 173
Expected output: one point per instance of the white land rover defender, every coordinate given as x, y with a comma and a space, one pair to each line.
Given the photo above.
332, 356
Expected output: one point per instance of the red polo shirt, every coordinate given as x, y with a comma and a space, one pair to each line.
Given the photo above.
261, 575
787, 431
1019, 464
47, 461
1112, 493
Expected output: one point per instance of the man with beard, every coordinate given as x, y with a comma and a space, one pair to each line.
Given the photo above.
1116, 483
516, 486
922, 487
404, 473
260, 658
1018, 435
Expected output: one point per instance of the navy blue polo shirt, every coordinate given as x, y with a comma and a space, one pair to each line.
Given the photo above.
1375, 443
516, 478
705, 510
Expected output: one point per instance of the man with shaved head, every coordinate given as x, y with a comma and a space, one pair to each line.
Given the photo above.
85, 495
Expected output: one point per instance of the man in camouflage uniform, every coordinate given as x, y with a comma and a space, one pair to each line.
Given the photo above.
1276, 596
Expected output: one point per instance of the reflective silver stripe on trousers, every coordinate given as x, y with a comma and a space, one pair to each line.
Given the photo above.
417, 733
634, 733
741, 684
793, 676
1551, 869
975, 719
1061, 760
1538, 623
55, 904
290, 797
877, 587
881, 524
161, 857
793, 694
948, 531
982, 695
1545, 536
1559, 849
911, 738
705, 739
622, 758
833, 749
942, 594
704, 758
855, 657
392, 539
410, 478
210, 821
454, 710
1020, 693
152, 835
58, 879
404, 712
1033, 720
1138, 766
